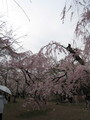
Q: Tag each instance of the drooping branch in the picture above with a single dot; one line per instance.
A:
(77, 57)
(26, 81)
(54, 47)
(56, 79)
(29, 75)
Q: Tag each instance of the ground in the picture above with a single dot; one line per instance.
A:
(15, 111)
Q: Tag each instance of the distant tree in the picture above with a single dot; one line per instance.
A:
(7, 52)
(7, 41)
(33, 68)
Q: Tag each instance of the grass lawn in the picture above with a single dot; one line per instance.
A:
(15, 111)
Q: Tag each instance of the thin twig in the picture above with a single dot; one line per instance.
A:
(22, 10)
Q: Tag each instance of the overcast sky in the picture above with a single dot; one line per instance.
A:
(45, 23)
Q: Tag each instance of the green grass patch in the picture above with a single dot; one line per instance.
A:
(64, 111)
(30, 114)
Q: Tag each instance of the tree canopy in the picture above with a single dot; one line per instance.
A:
(41, 75)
